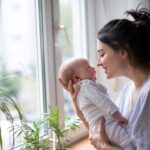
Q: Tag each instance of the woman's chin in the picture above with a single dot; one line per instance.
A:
(108, 76)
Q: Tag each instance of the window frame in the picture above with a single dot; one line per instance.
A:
(52, 53)
(49, 30)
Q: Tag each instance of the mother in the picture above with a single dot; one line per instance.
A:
(124, 50)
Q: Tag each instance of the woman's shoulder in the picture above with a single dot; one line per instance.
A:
(145, 89)
(126, 87)
(125, 91)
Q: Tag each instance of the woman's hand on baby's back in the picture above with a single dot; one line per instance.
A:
(70, 89)
(74, 94)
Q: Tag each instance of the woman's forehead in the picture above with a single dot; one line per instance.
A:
(100, 45)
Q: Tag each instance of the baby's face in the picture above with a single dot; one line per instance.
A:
(86, 71)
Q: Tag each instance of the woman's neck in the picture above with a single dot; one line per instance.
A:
(139, 77)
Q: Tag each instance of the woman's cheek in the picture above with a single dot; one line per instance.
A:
(102, 62)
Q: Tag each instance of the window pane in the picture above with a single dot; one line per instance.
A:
(66, 43)
(71, 37)
(19, 59)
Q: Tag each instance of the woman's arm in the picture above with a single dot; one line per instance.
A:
(80, 114)
(74, 93)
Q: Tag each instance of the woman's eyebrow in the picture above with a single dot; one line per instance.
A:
(99, 50)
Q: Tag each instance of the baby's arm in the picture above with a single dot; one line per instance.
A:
(118, 117)
(100, 99)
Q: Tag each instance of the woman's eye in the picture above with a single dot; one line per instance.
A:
(101, 55)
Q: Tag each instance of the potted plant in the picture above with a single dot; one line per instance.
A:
(8, 106)
(60, 126)
(31, 133)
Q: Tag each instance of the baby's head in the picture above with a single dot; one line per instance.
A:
(76, 69)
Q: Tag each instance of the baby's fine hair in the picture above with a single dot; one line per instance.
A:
(68, 68)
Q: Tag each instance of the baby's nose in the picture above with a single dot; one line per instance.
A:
(94, 69)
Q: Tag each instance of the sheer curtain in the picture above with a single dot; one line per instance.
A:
(106, 10)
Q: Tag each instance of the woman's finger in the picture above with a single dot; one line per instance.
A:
(64, 85)
(94, 140)
(76, 91)
(70, 88)
(99, 138)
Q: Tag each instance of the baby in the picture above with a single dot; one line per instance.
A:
(94, 102)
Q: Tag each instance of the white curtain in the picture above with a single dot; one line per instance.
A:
(106, 10)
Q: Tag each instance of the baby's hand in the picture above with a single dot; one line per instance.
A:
(118, 117)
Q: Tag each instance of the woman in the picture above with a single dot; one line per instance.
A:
(124, 50)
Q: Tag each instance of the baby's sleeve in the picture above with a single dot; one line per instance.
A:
(101, 99)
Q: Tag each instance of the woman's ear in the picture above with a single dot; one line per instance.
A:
(124, 54)
(75, 78)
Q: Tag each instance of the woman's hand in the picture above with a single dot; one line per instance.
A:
(73, 92)
(70, 89)
(100, 141)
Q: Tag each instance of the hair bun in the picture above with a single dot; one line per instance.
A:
(141, 16)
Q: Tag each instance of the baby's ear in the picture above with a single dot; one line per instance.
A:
(75, 78)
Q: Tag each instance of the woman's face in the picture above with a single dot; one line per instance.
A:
(114, 63)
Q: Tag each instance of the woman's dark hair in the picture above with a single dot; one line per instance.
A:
(132, 36)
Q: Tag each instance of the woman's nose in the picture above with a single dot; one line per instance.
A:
(99, 62)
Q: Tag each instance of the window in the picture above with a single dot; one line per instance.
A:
(20, 57)
(72, 37)
(64, 23)
(36, 36)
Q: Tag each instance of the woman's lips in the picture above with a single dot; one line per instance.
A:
(105, 69)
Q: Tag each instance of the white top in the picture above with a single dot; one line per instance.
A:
(139, 120)
(94, 102)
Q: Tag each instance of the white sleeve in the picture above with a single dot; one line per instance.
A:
(100, 99)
